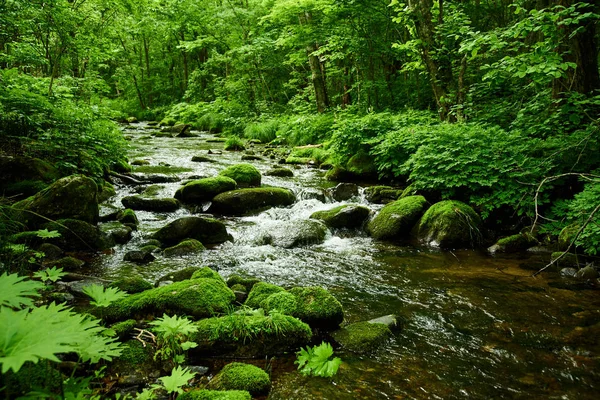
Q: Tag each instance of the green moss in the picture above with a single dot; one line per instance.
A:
(518, 242)
(396, 219)
(205, 230)
(240, 376)
(205, 189)
(246, 201)
(345, 216)
(132, 285)
(260, 292)
(234, 143)
(179, 275)
(280, 172)
(189, 246)
(134, 356)
(31, 377)
(283, 302)
(239, 288)
(121, 167)
(382, 194)
(208, 273)
(204, 394)
(68, 264)
(198, 297)
(298, 160)
(123, 329)
(566, 236)
(317, 307)
(150, 204)
(127, 216)
(362, 337)
(106, 191)
(250, 335)
(362, 164)
(247, 282)
(161, 169)
(449, 224)
(245, 175)
(152, 190)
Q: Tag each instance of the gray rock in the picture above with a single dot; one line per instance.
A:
(344, 191)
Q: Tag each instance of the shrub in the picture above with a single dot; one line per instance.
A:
(264, 131)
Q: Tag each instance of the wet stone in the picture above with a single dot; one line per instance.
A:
(139, 257)
(344, 191)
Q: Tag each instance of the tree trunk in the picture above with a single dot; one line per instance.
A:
(317, 70)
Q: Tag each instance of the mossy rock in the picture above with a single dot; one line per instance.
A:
(23, 189)
(150, 204)
(201, 159)
(318, 308)
(245, 175)
(188, 246)
(382, 194)
(123, 329)
(514, 243)
(293, 160)
(152, 190)
(17, 169)
(250, 335)
(260, 292)
(449, 224)
(127, 216)
(51, 251)
(106, 191)
(205, 230)
(295, 233)
(117, 232)
(566, 236)
(362, 337)
(205, 394)
(202, 190)
(199, 298)
(132, 285)
(362, 165)
(247, 282)
(78, 235)
(68, 264)
(283, 302)
(567, 260)
(121, 167)
(280, 172)
(178, 276)
(346, 216)
(207, 272)
(32, 377)
(73, 197)
(134, 357)
(395, 220)
(246, 201)
(240, 376)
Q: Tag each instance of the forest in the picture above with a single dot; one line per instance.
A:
(491, 103)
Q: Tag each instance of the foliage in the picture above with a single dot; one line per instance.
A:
(50, 274)
(103, 297)
(179, 377)
(172, 339)
(15, 291)
(316, 361)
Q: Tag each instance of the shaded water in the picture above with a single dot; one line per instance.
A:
(479, 326)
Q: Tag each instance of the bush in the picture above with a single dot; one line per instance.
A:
(264, 131)
(301, 130)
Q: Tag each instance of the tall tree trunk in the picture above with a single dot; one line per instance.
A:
(185, 66)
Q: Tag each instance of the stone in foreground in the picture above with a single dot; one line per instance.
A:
(246, 201)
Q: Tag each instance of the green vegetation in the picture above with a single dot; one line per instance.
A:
(396, 219)
(205, 189)
(260, 292)
(317, 307)
(240, 376)
(315, 361)
(362, 337)
(245, 175)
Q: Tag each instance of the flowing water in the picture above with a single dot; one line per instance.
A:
(478, 326)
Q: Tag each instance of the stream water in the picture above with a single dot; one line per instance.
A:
(478, 326)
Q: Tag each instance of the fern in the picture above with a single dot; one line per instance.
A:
(103, 297)
(172, 340)
(47, 331)
(15, 291)
(50, 274)
(316, 361)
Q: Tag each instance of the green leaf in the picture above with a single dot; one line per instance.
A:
(178, 378)
(46, 234)
(170, 326)
(315, 361)
(50, 274)
(103, 297)
(15, 290)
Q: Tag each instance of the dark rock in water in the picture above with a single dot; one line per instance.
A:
(513, 243)
(449, 224)
(569, 272)
(127, 216)
(199, 298)
(202, 159)
(312, 194)
(566, 260)
(203, 190)
(132, 285)
(198, 369)
(295, 233)
(131, 120)
(245, 201)
(51, 252)
(139, 256)
(245, 175)
(395, 220)
(119, 233)
(392, 321)
(382, 194)
(240, 296)
(205, 230)
(76, 287)
(362, 337)
(318, 308)
(68, 264)
(251, 157)
(108, 212)
(344, 191)
(346, 216)
(140, 162)
(156, 178)
(154, 204)
(106, 191)
(76, 235)
(587, 272)
(280, 172)
(240, 376)
(177, 130)
(73, 197)
(189, 246)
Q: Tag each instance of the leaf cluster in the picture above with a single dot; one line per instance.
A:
(316, 361)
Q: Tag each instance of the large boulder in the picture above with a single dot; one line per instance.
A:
(346, 216)
(245, 201)
(449, 224)
(514, 243)
(205, 189)
(199, 298)
(396, 219)
(77, 235)
(260, 292)
(150, 204)
(295, 233)
(344, 191)
(240, 376)
(189, 246)
(205, 230)
(254, 335)
(25, 175)
(317, 307)
(382, 194)
(74, 197)
(246, 175)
